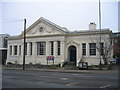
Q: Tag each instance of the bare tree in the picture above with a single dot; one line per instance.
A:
(104, 48)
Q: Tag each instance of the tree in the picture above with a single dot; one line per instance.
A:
(105, 47)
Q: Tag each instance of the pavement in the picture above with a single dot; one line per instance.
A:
(65, 71)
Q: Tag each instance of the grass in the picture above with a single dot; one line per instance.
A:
(67, 66)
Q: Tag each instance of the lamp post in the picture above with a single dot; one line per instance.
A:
(100, 33)
(24, 44)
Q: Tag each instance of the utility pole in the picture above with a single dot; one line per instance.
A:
(100, 33)
(24, 44)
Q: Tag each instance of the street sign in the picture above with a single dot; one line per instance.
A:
(50, 58)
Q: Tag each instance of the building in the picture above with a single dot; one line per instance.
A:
(45, 39)
(116, 44)
(3, 48)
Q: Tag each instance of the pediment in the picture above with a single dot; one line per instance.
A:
(43, 27)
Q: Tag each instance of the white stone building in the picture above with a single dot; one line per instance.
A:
(44, 38)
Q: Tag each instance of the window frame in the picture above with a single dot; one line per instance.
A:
(31, 45)
(19, 49)
(15, 50)
(41, 48)
(92, 49)
(11, 50)
(52, 48)
(84, 49)
(102, 48)
(58, 48)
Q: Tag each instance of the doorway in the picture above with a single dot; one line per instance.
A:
(72, 54)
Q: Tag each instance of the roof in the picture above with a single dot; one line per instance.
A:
(3, 48)
(4, 35)
(61, 29)
(116, 34)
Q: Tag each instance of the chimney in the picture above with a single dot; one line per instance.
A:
(92, 26)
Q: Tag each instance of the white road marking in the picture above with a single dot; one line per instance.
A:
(64, 78)
(105, 86)
(72, 83)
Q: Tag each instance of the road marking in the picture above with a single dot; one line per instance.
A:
(75, 74)
(105, 86)
(72, 83)
(64, 78)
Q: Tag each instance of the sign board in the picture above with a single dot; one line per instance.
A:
(50, 58)
(14, 58)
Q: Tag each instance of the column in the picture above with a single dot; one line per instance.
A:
(47, 48)
(18, 50)
(87, 50)
(34, 52)
(28, 49)
(8, 51)
(62, 50)
(12, 50)
(55, 48)
(22, 52)
(78, 54)
(80, 50)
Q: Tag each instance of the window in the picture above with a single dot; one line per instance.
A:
(84, 48)
(30, 48)
(19, 49)
(92, 47)
(25, 48)
(52, 47)
(41, 48)
(58, 43)
(10, 50)
(15, 50)
(101, 47)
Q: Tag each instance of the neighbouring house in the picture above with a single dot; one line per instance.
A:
(3, 48)
(46, 40)
(116, 44)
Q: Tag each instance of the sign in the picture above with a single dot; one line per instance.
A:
(14, 58)
(50, 58)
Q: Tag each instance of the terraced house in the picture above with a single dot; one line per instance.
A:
(46, 39)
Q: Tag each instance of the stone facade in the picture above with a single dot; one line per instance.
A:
(44, 38)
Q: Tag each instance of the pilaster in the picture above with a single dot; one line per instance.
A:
(47, 48)
(55, 48)
(87, 50)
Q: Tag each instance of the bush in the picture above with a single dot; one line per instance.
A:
(9, 63)
(31, 63)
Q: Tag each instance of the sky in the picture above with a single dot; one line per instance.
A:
(119, 17)
(72, 14)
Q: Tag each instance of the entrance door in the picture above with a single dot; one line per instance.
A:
(72, 54)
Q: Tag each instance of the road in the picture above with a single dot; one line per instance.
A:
(42, 79)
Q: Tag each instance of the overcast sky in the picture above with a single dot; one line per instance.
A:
(72, 14)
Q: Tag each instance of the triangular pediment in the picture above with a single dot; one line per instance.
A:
(44, 27)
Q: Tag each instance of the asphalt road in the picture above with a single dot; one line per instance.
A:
(42, 79)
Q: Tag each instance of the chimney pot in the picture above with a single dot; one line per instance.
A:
(92, 26)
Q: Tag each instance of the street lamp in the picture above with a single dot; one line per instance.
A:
(100, 33)
(24, 44)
